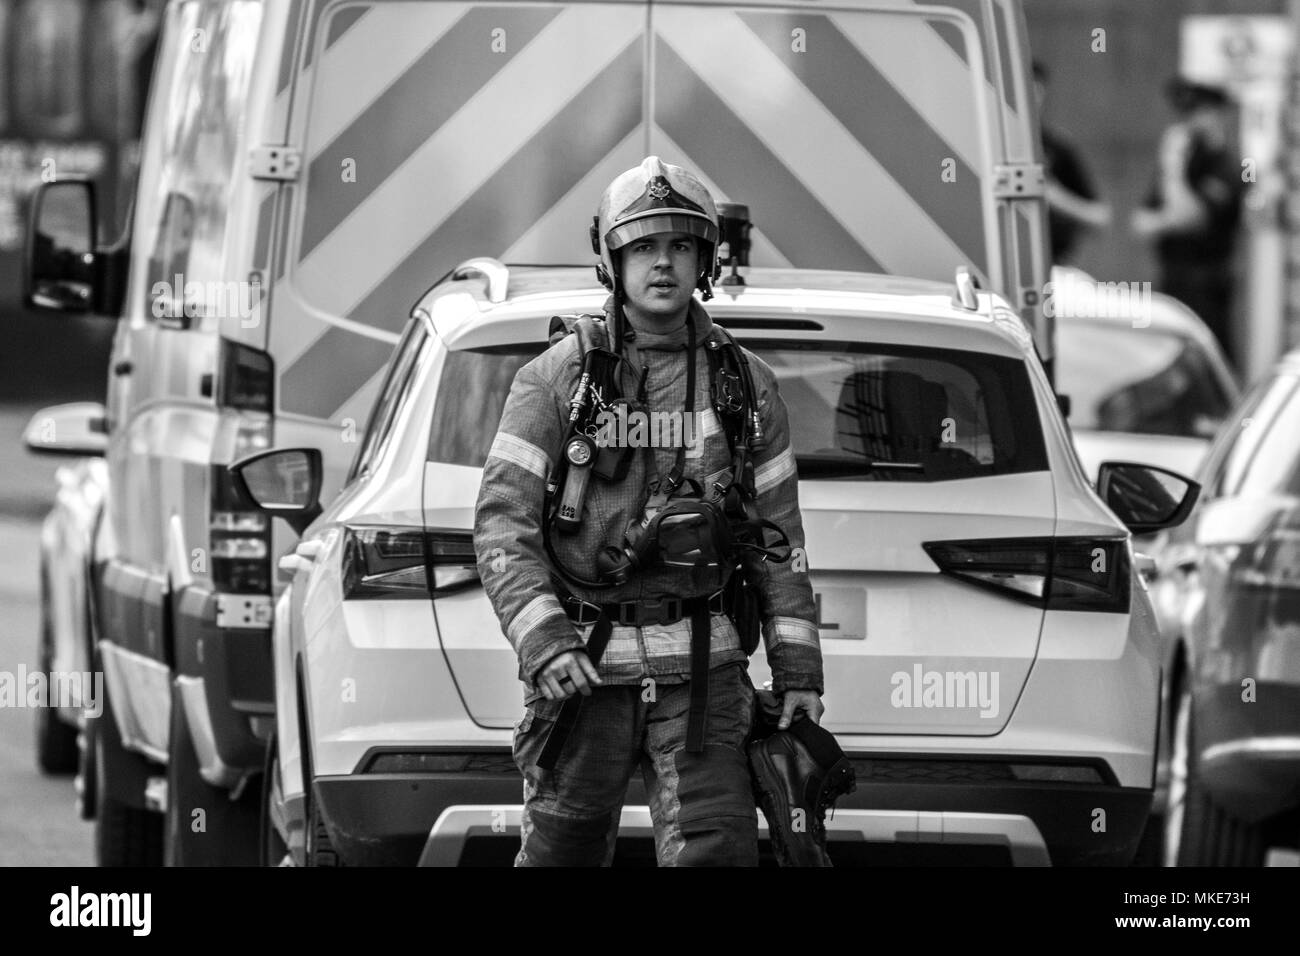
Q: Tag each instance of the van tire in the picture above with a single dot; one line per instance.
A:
(56, 742)
(125, 835)
(227, 831)
(318, 850)
(272, 849)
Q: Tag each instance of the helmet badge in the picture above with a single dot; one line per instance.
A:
(659, 189)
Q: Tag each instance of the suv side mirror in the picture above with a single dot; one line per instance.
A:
(60, 255)
(75, 429)
(1144, 497)
(283, 482)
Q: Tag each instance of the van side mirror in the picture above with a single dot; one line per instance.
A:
(60, 254)
(76, 429)
(1146, 498)
(283, 483)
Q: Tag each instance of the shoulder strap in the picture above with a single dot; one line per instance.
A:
(588, 326)
(726, 385)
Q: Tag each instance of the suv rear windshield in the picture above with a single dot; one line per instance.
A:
(1150, 382)
(857, 412)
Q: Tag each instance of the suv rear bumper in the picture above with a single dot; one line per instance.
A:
(404, 819)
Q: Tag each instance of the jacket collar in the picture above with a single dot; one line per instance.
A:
(676, 339)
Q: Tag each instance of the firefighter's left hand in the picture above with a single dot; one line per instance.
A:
(793, 701)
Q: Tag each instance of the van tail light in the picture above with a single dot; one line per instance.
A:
(403, 562)
(1057, 574)
(245, 378)
(239, 539)
(1272, 562)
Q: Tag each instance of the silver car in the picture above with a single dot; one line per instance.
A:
(1228, 598)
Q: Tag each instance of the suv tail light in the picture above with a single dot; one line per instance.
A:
(396, 562)
(1057, 574)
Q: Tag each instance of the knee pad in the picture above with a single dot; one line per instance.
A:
(717, 816)
(557, 840)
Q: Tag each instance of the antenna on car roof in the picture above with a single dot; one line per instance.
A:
(495, 271)
(963, 296)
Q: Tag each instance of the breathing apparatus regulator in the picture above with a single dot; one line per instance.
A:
(682, 524)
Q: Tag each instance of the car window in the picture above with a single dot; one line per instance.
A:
(471, 396)
(1274, 467)
(1242, 436)
(189, 156)
(392, 395)
(857, 412)
(876, 413)
(1144, 381)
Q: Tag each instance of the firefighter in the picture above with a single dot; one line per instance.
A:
(611, 581)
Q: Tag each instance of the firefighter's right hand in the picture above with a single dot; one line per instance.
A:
(570, 673)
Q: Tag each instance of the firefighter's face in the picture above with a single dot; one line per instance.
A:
(658, 273)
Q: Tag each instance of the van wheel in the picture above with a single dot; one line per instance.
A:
(272, 849)
(56, 742)
(205, 827)
(318, 850)
(125, 835)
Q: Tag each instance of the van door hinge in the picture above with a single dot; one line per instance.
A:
(275, 162)
(1019, 181)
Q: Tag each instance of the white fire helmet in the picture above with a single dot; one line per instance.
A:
(652, 198)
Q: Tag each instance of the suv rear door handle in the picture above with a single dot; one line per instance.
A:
(124, 367)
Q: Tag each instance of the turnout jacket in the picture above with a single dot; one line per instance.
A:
(517, 573)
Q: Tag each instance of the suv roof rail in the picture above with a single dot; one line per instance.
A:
(963, 296)
(495, 271)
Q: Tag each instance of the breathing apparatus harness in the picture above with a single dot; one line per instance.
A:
(681, 525)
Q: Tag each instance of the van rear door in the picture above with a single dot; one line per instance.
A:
(880, 136)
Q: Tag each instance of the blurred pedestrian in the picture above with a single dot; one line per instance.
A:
(1072, 202)
(1194, 208)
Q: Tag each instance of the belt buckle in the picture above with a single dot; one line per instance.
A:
(628, 614)
(652, 611)
(583, 607)
(718, 601)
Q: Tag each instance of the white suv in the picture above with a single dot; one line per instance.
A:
(992, 664)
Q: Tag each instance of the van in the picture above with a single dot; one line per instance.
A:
(310, 167)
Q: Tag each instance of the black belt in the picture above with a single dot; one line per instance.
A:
(640, 614)
(661, 611)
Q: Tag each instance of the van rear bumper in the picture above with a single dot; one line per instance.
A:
(226, 678)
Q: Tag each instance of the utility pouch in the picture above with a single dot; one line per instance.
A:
(692, 534)
(741, 598)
